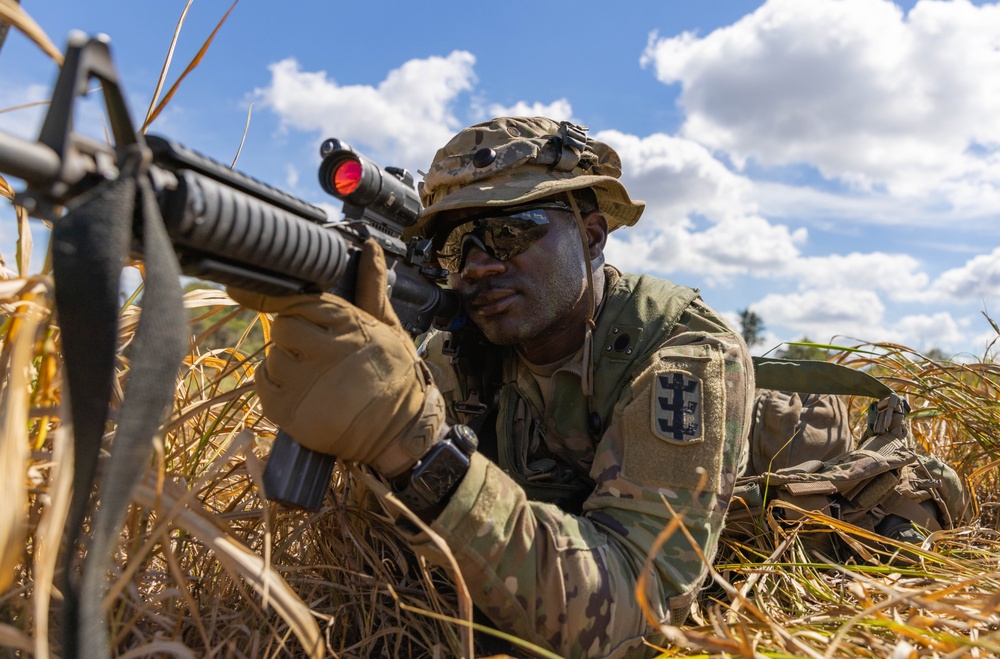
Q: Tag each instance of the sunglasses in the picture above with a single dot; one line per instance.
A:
(502, 233)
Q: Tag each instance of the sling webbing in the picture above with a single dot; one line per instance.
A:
(816, 377)
(89, 249)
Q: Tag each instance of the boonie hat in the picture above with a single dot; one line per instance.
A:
(512, 160)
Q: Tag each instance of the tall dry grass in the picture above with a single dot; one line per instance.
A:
(207, 567)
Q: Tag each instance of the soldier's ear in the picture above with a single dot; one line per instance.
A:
(596, 225)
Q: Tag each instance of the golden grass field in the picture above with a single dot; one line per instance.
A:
(205, 566)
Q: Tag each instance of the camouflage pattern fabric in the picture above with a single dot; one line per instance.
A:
(790, 428)
(883, 485)
(512, 160)
(671, 441)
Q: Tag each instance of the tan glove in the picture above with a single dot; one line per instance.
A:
(346, 380)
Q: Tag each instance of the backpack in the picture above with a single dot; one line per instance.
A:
(803, 459)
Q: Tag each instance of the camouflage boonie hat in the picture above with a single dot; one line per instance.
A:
(513, 160)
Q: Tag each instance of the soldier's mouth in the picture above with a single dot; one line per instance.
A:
(493, 302)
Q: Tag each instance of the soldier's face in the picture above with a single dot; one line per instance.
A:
(534, 299)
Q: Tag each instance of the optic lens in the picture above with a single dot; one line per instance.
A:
(347, 177)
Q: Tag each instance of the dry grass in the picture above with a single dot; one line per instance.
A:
(206, 567)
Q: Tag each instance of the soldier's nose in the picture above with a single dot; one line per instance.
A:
(479, 262)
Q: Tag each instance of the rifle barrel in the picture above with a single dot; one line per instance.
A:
(28, 160)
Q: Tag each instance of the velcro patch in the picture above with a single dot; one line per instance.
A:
(652, 455)
(677, 408)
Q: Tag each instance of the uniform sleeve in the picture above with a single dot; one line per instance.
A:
(673, 449)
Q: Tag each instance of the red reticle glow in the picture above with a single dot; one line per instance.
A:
(347, 177)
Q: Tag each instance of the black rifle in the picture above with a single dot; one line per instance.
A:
(230, 228)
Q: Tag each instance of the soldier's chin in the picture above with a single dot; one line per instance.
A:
(503, 331)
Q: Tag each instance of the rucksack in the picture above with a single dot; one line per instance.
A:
(803, 458)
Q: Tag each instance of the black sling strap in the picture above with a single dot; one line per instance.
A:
(89, 249)
(90, 246)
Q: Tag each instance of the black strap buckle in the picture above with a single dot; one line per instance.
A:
(472, 405)
(572, 140)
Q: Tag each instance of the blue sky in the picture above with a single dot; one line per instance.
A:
(831, 164)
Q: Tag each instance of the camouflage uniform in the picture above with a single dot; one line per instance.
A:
(552, 536)
(672, 389)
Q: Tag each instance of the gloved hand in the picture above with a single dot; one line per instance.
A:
(345, 379)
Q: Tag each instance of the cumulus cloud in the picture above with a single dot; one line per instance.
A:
(938, 330)
(866, 93)
(898, 111)
(715, 225)
(851, 312)
(698, 217)
(408, 115)
(560, 110)
(678, 177)
(846, 315)
(977, 279)
(847, 213)
(898, 276)
(738, 246)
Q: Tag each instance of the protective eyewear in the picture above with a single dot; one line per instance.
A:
(501, 233)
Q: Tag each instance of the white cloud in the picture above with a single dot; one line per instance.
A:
(850, 212)
(682, 182)
(897, 275)
(854, 313)
(408, 115)
(938, 330)
(901, 109)
(703, 218)
(662, 252)
(738, 246)
(978, 279)
(291, 176)
(560, 110)
(855, 87)
(743, 245)
(678, 177)
(845, 316)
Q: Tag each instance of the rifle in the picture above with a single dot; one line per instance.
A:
(227, 227)
(183, 212)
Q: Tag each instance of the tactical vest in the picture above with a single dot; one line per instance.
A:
(549, 452)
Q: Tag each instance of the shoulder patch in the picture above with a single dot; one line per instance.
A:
(677, 410)
(674, 425)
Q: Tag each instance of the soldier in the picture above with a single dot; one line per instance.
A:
(607, 405)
